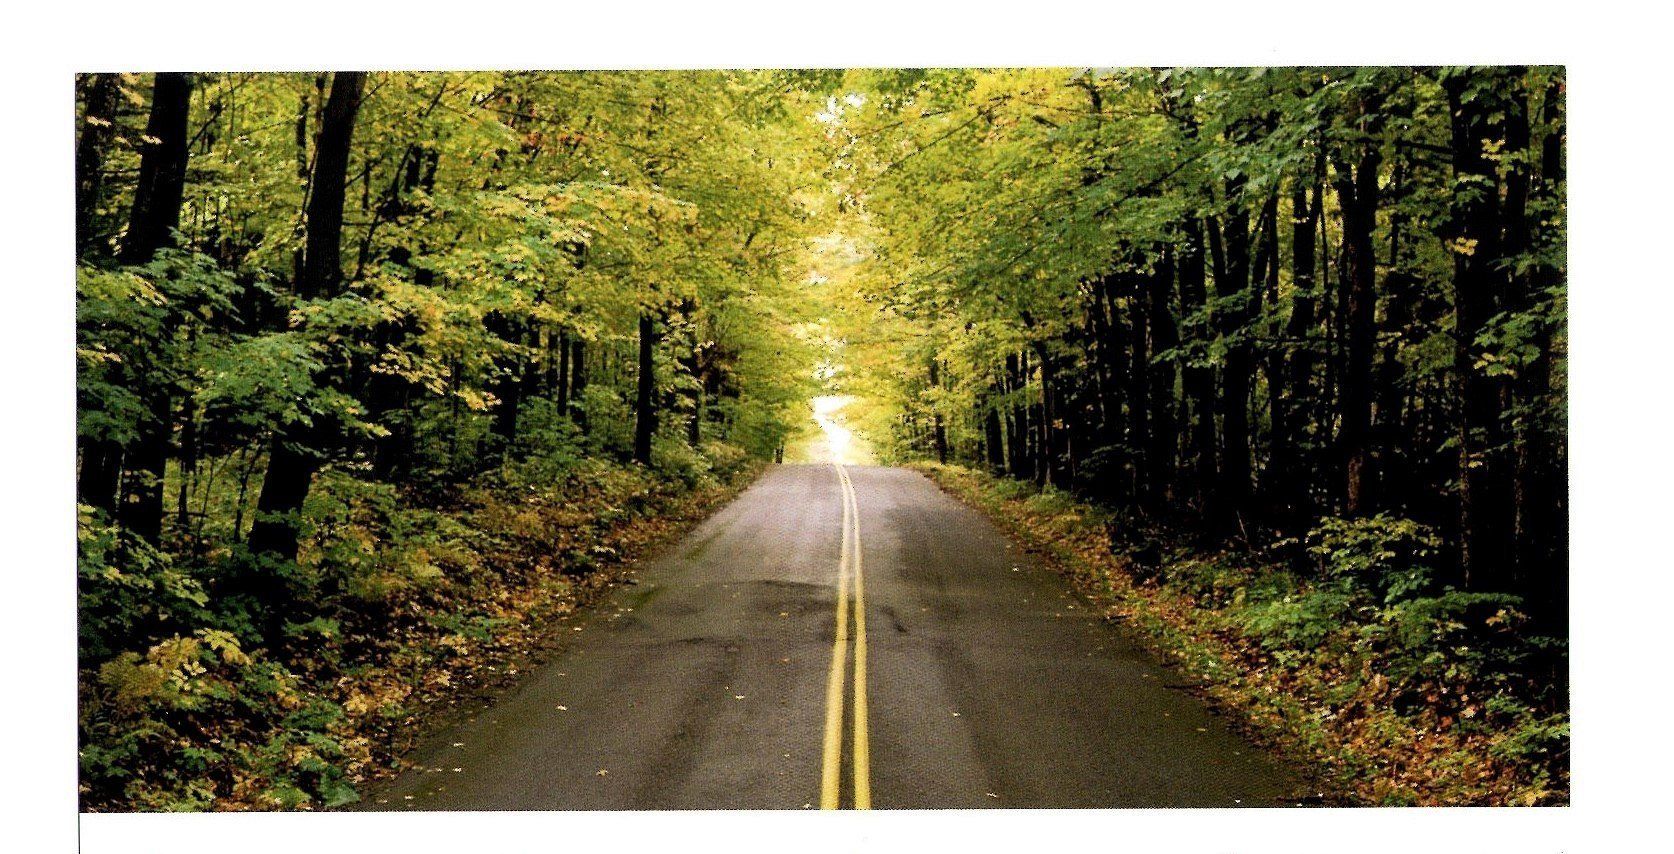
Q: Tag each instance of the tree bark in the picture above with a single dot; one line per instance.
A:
(98, 127)
(151, 224)
(1231, 247)
(1357, 196)
(1160, 457)
(1477, 282)
(645, 413)
(1199, 381)
(297, 452)
(1289, 462)
(938, 430)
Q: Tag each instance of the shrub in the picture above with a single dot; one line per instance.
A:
(127, 589)
(1386, 556)
(549, 447)
(675, 460)
(1300, 621)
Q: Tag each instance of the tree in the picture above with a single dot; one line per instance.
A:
(295, 455)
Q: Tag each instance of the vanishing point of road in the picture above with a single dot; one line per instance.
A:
(841, 637)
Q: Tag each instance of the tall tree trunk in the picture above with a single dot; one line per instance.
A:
(578, 380)
(992, 431)
(1357, 195)
(98, 126)
(1198, 380)
(1017, 439)
(162, 172)
(151, 225)
(297, 452)
(1542, 526)
(562, 380)
(1231, 247)
(1160, 457)
(1289, 462)
(1484, 524)
(938, 430)
(1264, 285)
(645, 412)
(1140, 404)
(511, 374)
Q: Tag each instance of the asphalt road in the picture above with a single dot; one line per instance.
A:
(721, 680)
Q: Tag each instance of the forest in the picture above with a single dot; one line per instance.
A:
(345, 339)
(378, 370)
(1309, 322)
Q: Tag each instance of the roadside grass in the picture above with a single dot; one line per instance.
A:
(411, 612)
(1390, 689)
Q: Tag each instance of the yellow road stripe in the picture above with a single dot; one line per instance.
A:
(831, 768)
(862, 737)
(848, 569)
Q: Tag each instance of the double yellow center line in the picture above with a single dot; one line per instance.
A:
(848, 574)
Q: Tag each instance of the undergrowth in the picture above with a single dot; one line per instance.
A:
(398, 608)
(1343, 650)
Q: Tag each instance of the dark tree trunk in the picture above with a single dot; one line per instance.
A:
(511, 374)
(1231, 247)
(645, 413)
(1140, 404)
(938, 431)
(162, 171)
(101, 460)
(992, 431)
(1160, 457)
(1289, 463)
(562, 380)
(1264, 284)
(98, 126)
(1120, 408)
(1540, 525)
(1199, 381)
(1484, 523)
(297, 452)
(1357, 194)
(1017, 438)
(578, 380)
(151, 225)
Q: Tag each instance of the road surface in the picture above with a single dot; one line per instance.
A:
(841, 636)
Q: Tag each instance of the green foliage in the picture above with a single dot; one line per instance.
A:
(1299, 621)
(505, 232)
(127, 589)
(1391, 558)
(363, 543)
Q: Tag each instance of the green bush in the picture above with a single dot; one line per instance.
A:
(1297, 622)
(1386, 556)
(548, 449)
(127, 589)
